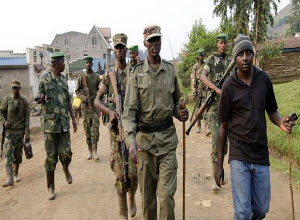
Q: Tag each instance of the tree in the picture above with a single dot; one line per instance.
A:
(199, 37)
(294, 20)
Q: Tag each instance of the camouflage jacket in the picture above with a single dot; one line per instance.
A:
(106, 87)
(152, 97)
(55, 110)
(198, 89)
(16, 112)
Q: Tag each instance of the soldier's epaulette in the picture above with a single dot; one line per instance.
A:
(167, 62)
(137, 65)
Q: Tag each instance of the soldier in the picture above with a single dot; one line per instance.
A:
(56, 105)
(121, 71)
(14, 115)
(134, 56)
(151, 101)
(212, 72)
(87, 90)
(198, 89)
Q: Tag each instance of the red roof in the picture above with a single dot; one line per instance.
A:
(289, 43)
(105, 31)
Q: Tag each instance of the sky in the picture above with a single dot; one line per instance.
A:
(28, 23)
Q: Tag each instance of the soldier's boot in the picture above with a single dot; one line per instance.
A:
(95, 156)
(16, 172)
(90, 153)
(50, 185)
(67, 174)
(214, 187)
(132, 204)
(207, 130)
(10, 179)
(123, 206)
(198, 126)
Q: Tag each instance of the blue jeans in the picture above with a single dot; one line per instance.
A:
(251, 190)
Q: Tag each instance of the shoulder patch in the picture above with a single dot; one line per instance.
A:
(137, 65)
(167, 62)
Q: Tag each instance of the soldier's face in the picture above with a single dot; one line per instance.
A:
(120, 52)
(222, 46)
(15, 90)
(88, 65)
(244, 61)
(133, 54)
(200, 59)
(153, 46)
(60, 65)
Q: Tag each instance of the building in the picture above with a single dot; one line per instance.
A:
(76, 45)
(286, 67)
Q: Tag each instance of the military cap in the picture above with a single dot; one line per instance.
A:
(200, 52)
(120, 39)
(57, 56)
(133, 48)
(90, 59)
(151, 31)
(15, 83)
(222, 37)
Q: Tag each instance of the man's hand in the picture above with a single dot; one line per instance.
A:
(41, 99)
(218, 91)
(74, 125)
(287, 125)
(133, 149)
(184, 114)
(7, 124)
(113, 117)
(219, 178)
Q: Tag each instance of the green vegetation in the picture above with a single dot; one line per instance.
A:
(294, 20)
(287, 96)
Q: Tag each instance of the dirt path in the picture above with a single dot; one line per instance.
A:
(92, 194)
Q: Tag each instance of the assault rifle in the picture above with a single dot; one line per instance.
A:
(119, 110)
(86, 89)
(2, 141)
(209, 99)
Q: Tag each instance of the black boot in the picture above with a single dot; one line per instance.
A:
(50, 184)
(132, 204)
(67, 174)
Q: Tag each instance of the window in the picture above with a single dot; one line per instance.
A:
(66, 42)
(104, 56)
(94, 40)
(85, 55)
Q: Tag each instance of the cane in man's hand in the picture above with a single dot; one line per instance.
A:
(292, 118)
(182, 106)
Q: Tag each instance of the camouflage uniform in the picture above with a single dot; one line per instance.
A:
(152, 97)
(116, 160)
(198, 89)
(215, 66)
(90, 119)
(56, 120)
(15, 111)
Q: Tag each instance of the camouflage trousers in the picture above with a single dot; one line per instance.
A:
(91, 126)
(57, 145)
(13, 148)
(157, 178)
(215, 129)
(116, 164)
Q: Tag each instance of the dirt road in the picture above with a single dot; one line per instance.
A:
(92, 194)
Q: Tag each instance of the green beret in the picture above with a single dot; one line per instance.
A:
(222, 37)
(57, 56)
(90, 59)
(200, 52)
(134, 48)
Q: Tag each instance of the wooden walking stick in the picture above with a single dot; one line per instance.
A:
(293, 118)
(182, 106)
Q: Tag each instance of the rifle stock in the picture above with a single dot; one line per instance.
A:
(87, 93)
(3, 140)
(209, 99)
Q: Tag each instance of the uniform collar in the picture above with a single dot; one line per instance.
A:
(162, 66)
(118, 70)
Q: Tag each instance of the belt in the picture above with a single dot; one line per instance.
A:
(157, 127)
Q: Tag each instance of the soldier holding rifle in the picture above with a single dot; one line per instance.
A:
(114, 84)
(212, 73)
(86, 89)
(151, 102)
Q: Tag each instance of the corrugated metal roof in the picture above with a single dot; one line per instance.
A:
(13, 61)
(289, 43)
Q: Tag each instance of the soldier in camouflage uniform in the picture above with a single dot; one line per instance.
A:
(212, 72)
(56, 105)
(134, 56)
(90, 119)
(14, 115)
(198, 89)
(116, 161)
(151, 101)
